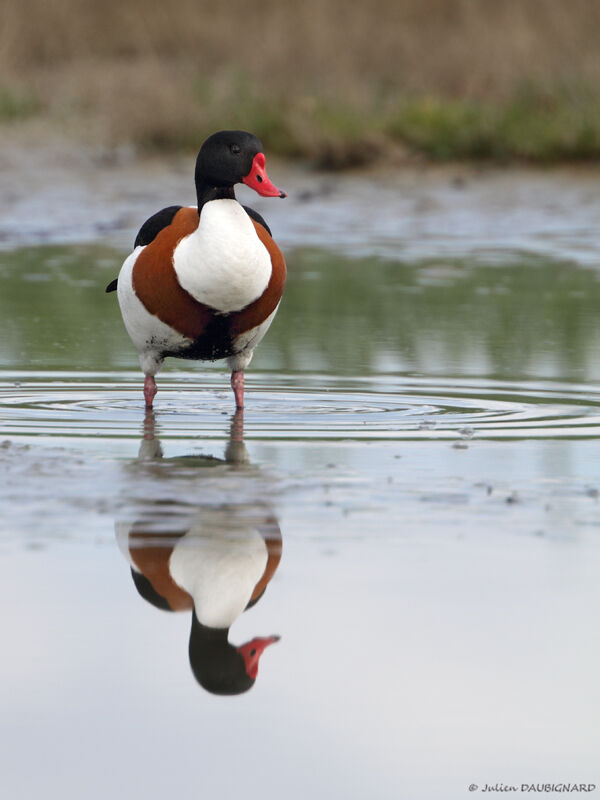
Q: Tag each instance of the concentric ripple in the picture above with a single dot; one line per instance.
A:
(302, 406)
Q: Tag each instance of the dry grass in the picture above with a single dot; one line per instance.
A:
(330, 80)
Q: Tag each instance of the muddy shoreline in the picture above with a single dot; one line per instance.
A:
(60, 191)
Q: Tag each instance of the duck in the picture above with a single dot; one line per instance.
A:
(204, 282)
(215, 565)
(214, 562)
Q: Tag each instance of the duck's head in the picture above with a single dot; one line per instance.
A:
(252, 651)
(221, 667)
(230, 157)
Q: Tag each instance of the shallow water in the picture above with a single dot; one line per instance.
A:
(417, 463)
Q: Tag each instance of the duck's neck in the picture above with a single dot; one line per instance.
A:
(205, 193)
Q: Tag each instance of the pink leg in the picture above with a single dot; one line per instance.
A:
(237, 384)
(149, 390)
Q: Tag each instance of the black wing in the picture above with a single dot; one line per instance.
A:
(148, 232)
(257, 218)
(154, 224)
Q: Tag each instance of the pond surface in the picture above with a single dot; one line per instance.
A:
(406, 518)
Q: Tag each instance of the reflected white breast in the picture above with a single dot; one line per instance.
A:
(218, 568)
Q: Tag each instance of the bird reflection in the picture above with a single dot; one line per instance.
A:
(214, 561)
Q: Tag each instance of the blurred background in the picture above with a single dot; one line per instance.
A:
(334, 83)
(422, 420)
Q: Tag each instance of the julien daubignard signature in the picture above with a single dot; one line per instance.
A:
(533, 787)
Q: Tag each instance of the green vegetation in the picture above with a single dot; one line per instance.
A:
(16, 104)
(526, 126)
(333, 83)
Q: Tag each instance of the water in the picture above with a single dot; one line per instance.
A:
(413, 484)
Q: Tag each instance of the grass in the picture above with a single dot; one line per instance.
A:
(333, 83)
(16, 104)
(525, 126)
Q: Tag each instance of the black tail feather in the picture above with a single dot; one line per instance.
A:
(112, 286)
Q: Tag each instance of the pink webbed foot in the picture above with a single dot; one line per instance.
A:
(237, 384)
(149, 390)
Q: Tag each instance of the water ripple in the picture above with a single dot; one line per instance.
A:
(320, 407)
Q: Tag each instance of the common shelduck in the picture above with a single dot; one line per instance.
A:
(215, 563)
(204, 282)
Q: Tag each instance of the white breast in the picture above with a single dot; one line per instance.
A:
(223, 263)
(219, 567)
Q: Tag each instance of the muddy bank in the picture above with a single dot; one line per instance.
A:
(58, 192)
